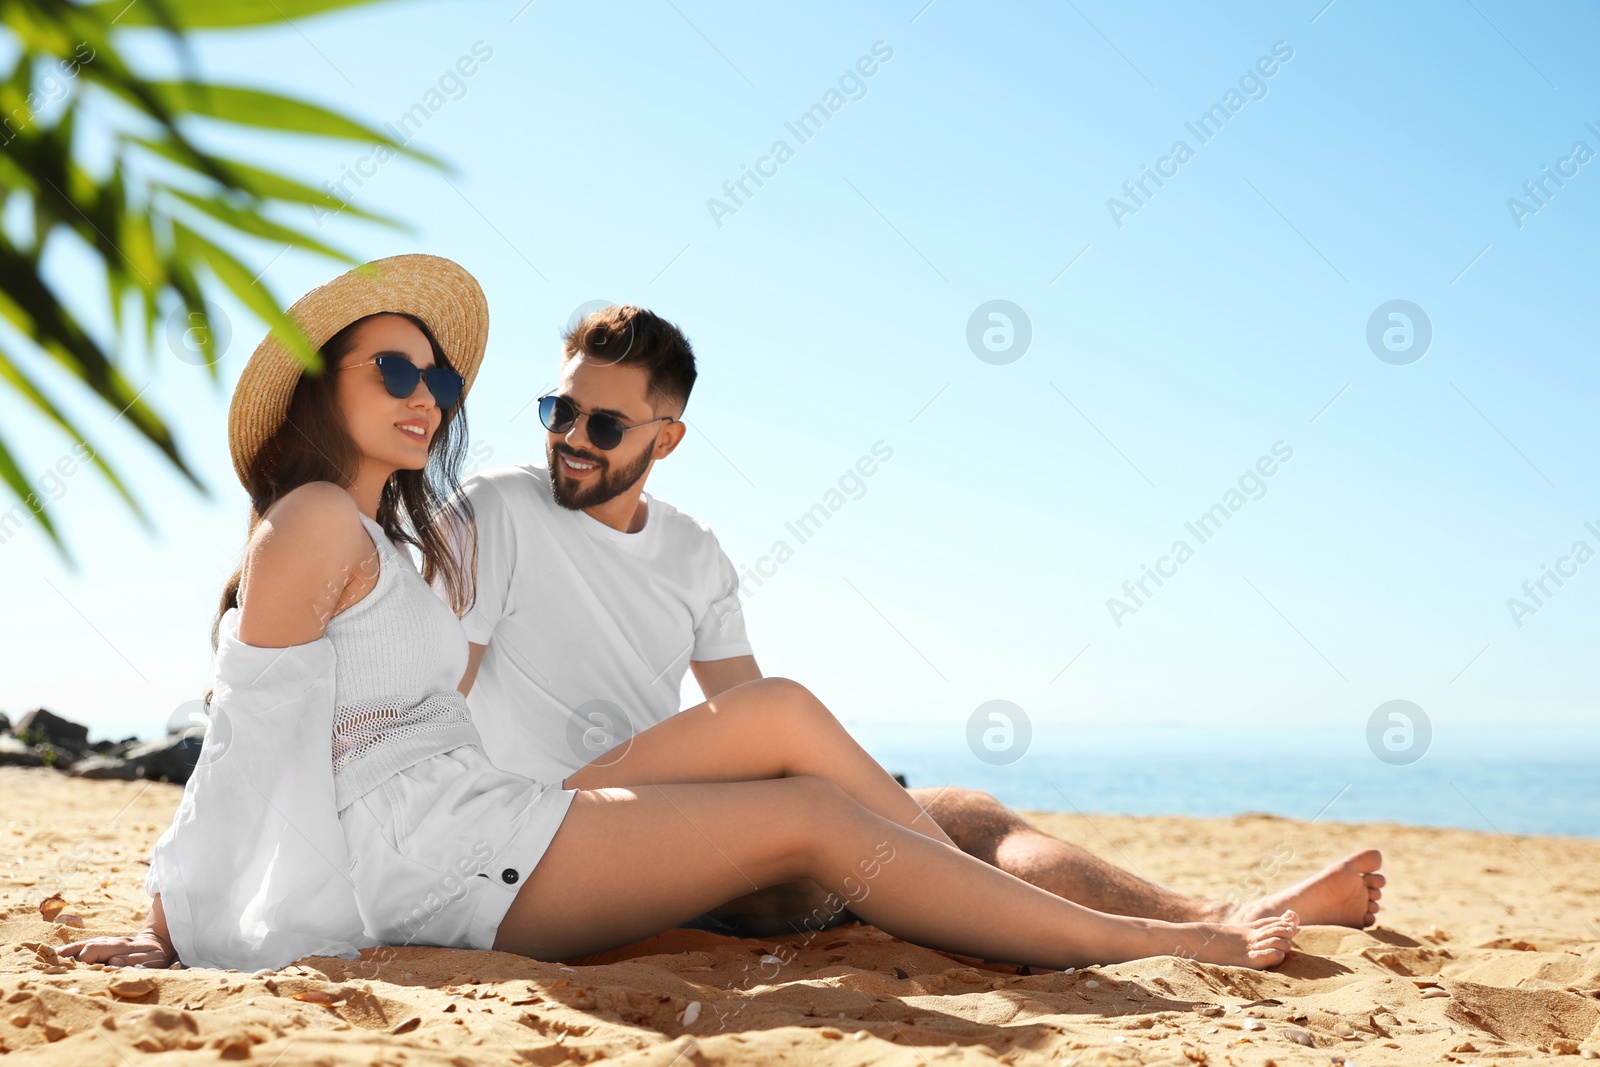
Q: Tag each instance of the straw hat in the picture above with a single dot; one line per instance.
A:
(436, 290)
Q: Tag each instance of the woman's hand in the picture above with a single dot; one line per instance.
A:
(144, 949)
(150, 947)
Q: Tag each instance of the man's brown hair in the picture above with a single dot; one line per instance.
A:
(631, 336)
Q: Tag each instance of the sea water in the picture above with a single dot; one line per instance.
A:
(1503, 780)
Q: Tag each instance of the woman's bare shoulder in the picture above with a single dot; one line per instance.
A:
(302, 555)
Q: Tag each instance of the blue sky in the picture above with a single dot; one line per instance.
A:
(830, 312)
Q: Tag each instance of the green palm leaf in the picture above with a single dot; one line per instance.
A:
(258, 225)
(255, 107)
(209, 14)
(164, 217)
(12, 374)
(13, 478)
(268, 185)
(236, 276)
(29, 305)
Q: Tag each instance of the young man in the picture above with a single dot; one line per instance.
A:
(594, 597)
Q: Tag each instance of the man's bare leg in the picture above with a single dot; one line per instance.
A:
(1343, 894)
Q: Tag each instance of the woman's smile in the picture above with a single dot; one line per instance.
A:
(414, 429)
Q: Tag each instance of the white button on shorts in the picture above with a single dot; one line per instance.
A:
(440, 849)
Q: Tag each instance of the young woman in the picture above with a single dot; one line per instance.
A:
(430, 843)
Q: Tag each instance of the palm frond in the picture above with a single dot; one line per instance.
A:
(164, 218)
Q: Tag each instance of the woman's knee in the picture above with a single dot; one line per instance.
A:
(782, 692)
(794, 709)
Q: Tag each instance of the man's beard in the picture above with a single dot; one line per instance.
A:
(597, 488)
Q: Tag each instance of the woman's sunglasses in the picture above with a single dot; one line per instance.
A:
(559, 415)
(400, 377)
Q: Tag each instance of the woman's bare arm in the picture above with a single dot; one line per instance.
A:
(309, 559)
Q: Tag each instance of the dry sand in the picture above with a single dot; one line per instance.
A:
(1488, 950)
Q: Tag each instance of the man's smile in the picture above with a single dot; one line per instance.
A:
(576, 468)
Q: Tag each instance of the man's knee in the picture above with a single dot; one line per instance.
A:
(956, 803)
(975, 821)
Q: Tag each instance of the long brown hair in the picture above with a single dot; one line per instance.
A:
(313, 445)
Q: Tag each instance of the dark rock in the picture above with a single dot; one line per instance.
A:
(105, 767)
(171, 758)
(56, 756)
(901, 779)
(42, 725)
(16, 752)
(109, 747)
(13, 753)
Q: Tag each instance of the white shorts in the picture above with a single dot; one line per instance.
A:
(440, 849)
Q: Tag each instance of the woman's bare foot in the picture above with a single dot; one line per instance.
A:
(1341, 894)
(1259, 944)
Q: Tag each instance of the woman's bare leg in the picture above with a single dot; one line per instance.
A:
(768, 728)
(628, 863)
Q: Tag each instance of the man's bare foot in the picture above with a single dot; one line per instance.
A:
(1341, 894)
(1259, 944)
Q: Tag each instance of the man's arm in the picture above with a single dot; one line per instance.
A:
(720, 675)
(474, 660)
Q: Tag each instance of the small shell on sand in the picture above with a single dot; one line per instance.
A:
(130, 988)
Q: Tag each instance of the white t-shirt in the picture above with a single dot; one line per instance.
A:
(589, 629)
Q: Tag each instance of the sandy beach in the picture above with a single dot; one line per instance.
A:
(1488, 949)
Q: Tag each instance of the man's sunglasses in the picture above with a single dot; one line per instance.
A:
(559, 415)
(400, 377)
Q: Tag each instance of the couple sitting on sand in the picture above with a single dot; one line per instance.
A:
(570, 808)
